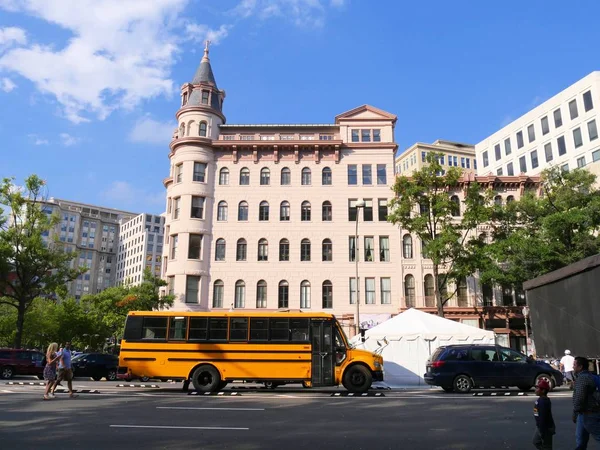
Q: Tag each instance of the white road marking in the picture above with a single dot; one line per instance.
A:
(212, 409)
(179, 428)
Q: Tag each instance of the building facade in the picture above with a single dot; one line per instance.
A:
(140, 248)
(562, 131)
(92, 232)
(454, 154)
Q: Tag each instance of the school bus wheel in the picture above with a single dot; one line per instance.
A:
(357, 379)
(206, 378)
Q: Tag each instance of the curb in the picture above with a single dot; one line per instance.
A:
(79, 391)
(352, 394)
(21, 383)
(217, 394)
(138, 385)
(500, 394)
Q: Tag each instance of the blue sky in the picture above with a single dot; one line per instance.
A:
(88, 89)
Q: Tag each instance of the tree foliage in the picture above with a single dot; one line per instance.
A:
(30, 267)
(423, 206)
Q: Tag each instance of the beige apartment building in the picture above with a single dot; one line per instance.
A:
(454, 154)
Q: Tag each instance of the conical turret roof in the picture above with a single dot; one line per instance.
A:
(204, 73)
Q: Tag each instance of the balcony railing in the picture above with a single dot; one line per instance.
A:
(279, 137)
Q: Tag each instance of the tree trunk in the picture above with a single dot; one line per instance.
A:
(438, 294)
(20, 324)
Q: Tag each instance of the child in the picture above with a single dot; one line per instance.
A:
(542, 411)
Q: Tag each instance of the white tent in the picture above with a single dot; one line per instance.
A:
(412, 337)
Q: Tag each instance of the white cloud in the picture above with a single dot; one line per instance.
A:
(10, 36)
(338, 3)
(149, 131)
(124, 195)
(68, 140)
(120, 52)
(7, 85)
(199, 33)
(303, 13)
(41, 142)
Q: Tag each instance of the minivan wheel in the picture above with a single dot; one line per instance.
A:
(546, 377)
(7, 372)
(206, 379)
(463, 384)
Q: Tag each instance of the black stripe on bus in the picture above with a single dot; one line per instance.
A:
(139, 359)
(243, 360)
(212, 351)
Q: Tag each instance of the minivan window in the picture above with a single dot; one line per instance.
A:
(511, 356)
(483, 354)
(456, 354)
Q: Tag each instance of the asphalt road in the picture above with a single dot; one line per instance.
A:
(166, 418)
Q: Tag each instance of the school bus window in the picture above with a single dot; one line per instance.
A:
(259, 329)
(177, 328)
(154, 328)
(280, 329)
(198, 329)
(218, 329)
(238, 330)
(299, 328)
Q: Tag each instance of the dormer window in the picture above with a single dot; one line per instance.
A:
(205, 97)
(185, 99)
(202, 129)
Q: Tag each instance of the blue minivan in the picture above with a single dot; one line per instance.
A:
(460, 368)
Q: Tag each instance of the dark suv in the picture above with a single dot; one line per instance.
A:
(96, 366)
(460, 368)
(21, 362)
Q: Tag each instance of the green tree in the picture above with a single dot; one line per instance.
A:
(548, 228)
(30, 267)
(424, 207)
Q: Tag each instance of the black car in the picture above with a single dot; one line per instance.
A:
(461, 368)
(96, 366)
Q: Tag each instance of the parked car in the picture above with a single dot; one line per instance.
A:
(21, 362)
(96, 366)
(460, 368)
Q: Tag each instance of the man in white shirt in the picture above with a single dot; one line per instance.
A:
(566, 367)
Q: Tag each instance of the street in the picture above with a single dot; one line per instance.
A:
(166, 418)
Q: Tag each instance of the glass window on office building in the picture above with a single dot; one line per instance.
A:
(531, 133)
(522, 164)
(577, 138)
(573, 109)
(581, 162)
(520, 142)
(548, 152)
(507, 147)
(592, 130)
(486, 161)
(381, 174)
(509, 169)
(192, 289)
(534, 159)
(562, 146)
(497, 152)
(370, 291)
(557, 118)
(355, 136)
(352, 174)
(366, 174)
(199, 172)
(545, 125)
(596, 156)
(588, 104)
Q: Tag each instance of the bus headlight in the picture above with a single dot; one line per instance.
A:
(377, 364)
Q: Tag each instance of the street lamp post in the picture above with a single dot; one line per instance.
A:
(525, 312)
(359, 204)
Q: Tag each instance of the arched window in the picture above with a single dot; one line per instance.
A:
(305, 250)
(306, 181)
(429, 288)
(261, 294)
(424, 206)
(263, 211)
(283, 294)
(224, 176)
(263, 250)
(244, 176)
(182, 130)
(463, 293)
(240, 294)
(305, 294)
(483, 237)
(284, 250)
(284, 211)
(327, 250)
(286, 177)
(327, 293)
(241, 250)
(243, 210)
(327, 211)
(305, 211)
(220, 250)
(409, 291)
(407, 246)
(326, 178)
(498, 200)
(265, 176)
(205, 95)
(189, 127)
(510, 199)
(222, 211)
(202, 129)
(218, 291)
(455, 205)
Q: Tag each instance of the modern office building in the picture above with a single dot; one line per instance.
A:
(264, 216)
(140, 248)
(454, 154)
(93, 233)
(562, 131)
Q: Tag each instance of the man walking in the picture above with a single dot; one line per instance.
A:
(566, 367)
(586, 410)
(65, 370)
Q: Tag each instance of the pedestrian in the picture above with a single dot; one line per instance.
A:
(65, 370)
(586, 410)
(566, 367)
(544, 422)
(50, 369)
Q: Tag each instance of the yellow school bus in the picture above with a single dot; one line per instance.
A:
(211, 349)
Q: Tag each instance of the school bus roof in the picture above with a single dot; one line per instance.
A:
(289, 313)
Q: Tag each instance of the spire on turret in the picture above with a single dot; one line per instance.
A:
(204, 74)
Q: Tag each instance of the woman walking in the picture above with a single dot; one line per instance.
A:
(50, 369)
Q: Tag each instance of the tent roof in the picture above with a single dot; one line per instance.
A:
(415, 322)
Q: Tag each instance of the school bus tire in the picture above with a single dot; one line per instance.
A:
(206, 378)
(357, 378)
